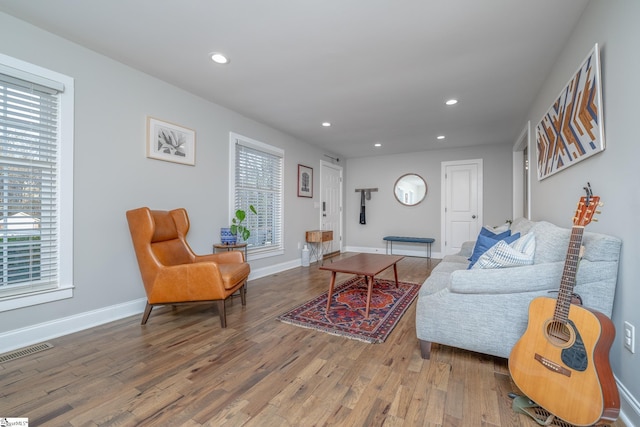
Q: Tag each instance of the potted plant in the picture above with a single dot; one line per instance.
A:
(238, 229)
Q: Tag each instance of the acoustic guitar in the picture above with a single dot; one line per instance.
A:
(562, 360)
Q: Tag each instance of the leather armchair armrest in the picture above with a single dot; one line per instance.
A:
(222, 257)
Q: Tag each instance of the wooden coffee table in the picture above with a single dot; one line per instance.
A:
(367, 265)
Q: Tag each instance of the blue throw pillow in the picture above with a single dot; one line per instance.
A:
(485, 242)
(481, 243)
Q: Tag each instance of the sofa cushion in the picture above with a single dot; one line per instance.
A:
(485, 242)
(521, 225)
(552, 242)
(503, 255)
(460, 259)
(449, 267)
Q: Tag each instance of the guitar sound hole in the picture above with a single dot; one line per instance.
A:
(559, 334)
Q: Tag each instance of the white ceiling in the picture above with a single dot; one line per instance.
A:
(378, 70)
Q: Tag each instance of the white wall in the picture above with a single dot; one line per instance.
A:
(113, 175)
(386, 216)
(613, 174)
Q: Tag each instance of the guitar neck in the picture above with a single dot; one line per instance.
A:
(568, 280)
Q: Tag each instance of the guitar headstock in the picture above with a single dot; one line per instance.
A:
(587, 208)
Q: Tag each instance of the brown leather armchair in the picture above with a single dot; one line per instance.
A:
(172, 274)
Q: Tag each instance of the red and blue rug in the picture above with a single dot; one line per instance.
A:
(346, 316)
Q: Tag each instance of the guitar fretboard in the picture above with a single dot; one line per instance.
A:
(568, 280)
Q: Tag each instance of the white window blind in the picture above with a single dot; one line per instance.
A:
(28, 185)
(258, 182)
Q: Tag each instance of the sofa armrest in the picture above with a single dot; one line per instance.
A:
(527, 278)
(467, 248)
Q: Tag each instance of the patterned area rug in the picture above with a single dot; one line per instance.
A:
(346, 316)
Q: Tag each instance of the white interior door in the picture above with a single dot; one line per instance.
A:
(331, 203)
(461, 203)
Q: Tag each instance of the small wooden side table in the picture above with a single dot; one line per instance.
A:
(318, 238)
(237, 246)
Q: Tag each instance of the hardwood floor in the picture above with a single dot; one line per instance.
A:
(181, 368)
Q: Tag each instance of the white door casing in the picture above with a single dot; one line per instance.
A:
(331, 203)
(522, 174)
(461, 203)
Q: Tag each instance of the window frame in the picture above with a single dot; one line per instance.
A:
(255, 253)
(64, 288)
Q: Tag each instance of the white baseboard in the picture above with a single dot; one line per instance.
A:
(18, 338)
(396, 251)
(629, 408)
(273, 269)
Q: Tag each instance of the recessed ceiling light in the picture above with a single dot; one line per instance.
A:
(219, 58)
(377, 144)
(440, 136)
(452, 102)
(326, 124)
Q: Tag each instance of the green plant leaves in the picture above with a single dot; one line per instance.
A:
(237, 229)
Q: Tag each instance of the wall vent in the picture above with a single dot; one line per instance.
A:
(13, 355)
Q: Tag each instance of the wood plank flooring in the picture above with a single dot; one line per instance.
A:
(181, 368)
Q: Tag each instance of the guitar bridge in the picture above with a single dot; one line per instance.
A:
(552, 366)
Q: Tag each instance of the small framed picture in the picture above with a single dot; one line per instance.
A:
(305, 181)
(170, 142)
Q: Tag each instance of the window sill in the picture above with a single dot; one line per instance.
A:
(20, 301)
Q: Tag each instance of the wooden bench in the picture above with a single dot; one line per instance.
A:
(424, 240)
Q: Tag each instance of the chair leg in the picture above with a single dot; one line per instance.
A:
(243, 294)
(222, 313)
(147, 312)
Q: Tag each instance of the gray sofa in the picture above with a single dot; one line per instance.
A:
(486, 310)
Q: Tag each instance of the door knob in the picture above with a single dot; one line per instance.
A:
(473, 216)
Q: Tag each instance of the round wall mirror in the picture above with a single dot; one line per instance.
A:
(410, 189)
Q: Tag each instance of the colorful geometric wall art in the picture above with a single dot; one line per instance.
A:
(572, 129)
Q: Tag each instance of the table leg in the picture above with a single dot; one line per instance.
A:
(395, 273)
(331, 285)
(370, 288)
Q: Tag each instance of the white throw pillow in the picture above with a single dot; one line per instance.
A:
(499, 228)
(502, 254)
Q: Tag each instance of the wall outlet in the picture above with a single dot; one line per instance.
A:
(629, 337)
(299, 245)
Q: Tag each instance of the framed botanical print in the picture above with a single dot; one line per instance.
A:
(170, 142)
